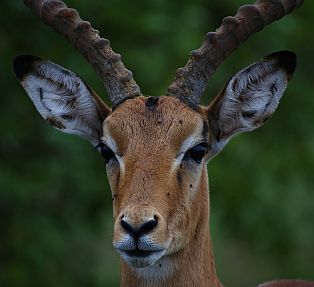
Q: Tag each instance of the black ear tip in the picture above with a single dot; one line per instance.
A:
(23, 65)
(286, 60)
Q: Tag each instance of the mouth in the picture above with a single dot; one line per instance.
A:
(141, 258)
(139, 253)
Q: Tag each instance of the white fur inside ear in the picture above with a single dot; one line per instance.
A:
(64, 100)
(251, 97)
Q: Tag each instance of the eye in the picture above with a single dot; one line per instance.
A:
(197, 152)
(106, 152)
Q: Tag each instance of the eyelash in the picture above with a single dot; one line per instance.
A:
(106, 152)
(196, 153)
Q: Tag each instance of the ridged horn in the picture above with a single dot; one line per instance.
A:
(117, 80)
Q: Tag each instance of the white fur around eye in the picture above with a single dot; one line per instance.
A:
(188, 143)
(108, 140)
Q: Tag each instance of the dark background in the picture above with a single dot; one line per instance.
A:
(55, 203)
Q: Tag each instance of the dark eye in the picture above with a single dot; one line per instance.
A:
(106, 152)
(197, 152)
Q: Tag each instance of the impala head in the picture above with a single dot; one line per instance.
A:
(155, 148)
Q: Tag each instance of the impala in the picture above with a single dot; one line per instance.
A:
(156, 148)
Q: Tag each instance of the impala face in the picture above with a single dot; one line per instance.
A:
(155, 150)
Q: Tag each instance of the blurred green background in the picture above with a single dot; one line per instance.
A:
(55, 203)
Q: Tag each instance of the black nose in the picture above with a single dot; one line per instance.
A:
(137, 231)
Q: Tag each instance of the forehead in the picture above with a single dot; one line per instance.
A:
(153, 121)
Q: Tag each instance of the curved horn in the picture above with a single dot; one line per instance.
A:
(190, 81)
(117, 80)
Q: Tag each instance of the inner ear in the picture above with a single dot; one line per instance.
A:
(251, 96)
(61, 97)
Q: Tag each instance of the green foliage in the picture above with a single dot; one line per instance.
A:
(55, 203)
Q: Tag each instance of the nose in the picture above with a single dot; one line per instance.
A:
(138, 230)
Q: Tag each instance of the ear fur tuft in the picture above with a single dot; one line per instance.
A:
(286, 60)
(23, 65)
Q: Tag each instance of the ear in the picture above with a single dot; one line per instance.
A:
(61, 97)
(250, 97)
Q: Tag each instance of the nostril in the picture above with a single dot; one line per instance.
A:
(127, 226)
(148, 225)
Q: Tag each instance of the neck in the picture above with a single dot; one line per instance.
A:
(191, 266)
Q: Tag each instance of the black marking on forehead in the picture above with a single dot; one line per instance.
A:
(151, 103)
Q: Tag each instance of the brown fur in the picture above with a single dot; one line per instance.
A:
(149, 142)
